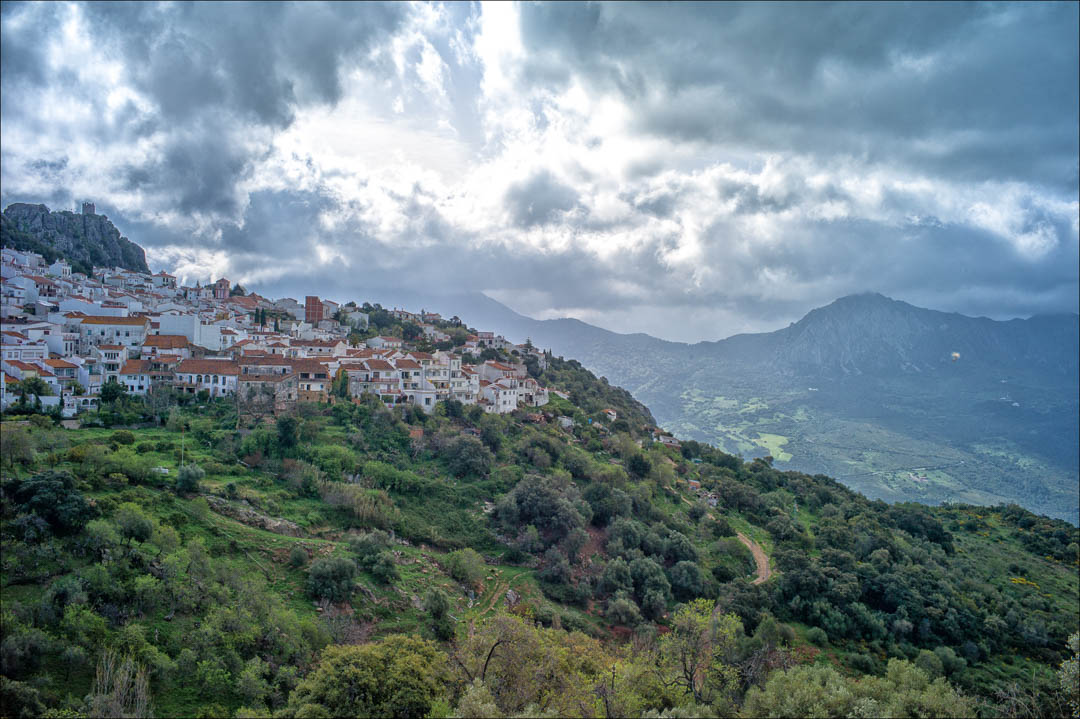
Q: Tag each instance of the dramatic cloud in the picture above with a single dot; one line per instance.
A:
(685, 170)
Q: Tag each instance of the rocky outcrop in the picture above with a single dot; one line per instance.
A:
(244, 514)
(89, 239)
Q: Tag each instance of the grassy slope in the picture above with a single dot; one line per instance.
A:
(455, 516)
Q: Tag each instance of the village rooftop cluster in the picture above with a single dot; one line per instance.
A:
(78, 334)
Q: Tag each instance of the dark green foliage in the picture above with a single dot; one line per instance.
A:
(188, 478)
(52, 496)
(298, 556)
(638, 465)
(368, 546)
(112, 391)
(543, 502)
(331, 578)
(556, 567)
(648, 577)
(686, 581)
(437, 606)
(288, 432)
(467, 456)
(616, 577)
(622, 610)
(384, 569)
(607, 503)
(133, 523)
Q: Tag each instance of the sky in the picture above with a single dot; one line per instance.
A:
(689, 171)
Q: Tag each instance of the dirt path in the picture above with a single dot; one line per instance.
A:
(760, 558)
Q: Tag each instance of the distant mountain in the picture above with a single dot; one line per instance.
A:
(899, 402)
(86, 239)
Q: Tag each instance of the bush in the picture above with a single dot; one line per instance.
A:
(368, 546)
(384, 569)
(331, 578)
(686, 580)
(187, 479)
(123, 437)
(298, 556)
(52, 496)
(817, 636)
(622, 610)
(466, 566)
(467, 456)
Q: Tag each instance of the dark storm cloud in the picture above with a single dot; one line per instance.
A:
(895, 83)
(214, 73)
(540, 200)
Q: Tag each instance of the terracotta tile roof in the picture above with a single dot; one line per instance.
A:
(166, 342)
(265, 360)
(205, 366)
(97, 320)
(60, 364)
(407, 364)
(110, 347)
(378, 364)
(135, 367)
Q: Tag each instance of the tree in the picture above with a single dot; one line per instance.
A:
(467, 456)
(686, 581)
(52, 496)
(112, 391)
(466, 566)
(437, 606)
(399, 676)
(819, 690)
(331, 578)
(288, 432)
(1069, 675)
(34, 387)
(690, 656)
(133, 522)
(188, 478)
(121, 688)
(237, 290)
(16, 445)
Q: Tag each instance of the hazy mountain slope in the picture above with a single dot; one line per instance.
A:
(865, 389)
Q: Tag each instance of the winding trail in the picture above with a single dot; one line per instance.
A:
(760, 558)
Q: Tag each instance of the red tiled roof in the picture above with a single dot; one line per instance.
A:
(166, 342)
(135, 367)
(205, 366)
(97, 320)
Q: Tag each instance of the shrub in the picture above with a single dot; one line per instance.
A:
(466, 566)
(123, 437)
(622, 610)
(331, 578)
(686, 580)
(187, 479)
(52, 496)
(817, 636)
(467, 456)
(384, 569)
(298, 556)
(368, 546)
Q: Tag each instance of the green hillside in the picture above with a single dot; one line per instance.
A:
(352, 561)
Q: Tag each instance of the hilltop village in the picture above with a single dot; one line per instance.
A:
(69, 337)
